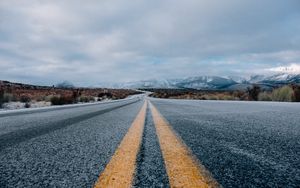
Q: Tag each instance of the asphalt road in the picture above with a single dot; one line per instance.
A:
(150, 170)
(241, 144)
(66, 147)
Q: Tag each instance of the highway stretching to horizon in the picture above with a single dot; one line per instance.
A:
(148, 142)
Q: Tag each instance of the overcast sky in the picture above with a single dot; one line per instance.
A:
(90, 42)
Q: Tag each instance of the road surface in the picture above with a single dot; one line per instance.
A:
(146, 142)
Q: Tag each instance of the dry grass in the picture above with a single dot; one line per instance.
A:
(26, 93)
(288, 93)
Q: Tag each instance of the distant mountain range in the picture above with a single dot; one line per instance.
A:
(198, 82)
(216, 82)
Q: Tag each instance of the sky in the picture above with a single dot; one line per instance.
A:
(101, 41)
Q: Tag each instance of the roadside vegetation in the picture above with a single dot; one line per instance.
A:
(15, 95)
(287, 93)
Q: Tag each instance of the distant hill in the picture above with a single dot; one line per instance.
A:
(197, 82)
(216, 82)
(12, 85)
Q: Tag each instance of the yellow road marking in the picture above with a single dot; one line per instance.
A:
(182, 168)
(119, 172)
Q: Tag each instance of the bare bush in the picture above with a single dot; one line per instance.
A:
(284, 94)
(225, 96)
(48, 98)
(86, 99)
(27, 105)
(253, 92)
(1, 97)
(61, 100)
(25, 98)
(296, 90)
(264, 96)
(7, 97)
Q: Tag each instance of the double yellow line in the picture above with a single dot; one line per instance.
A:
(182, 167)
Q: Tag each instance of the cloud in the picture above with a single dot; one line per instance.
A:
(111, 41)
(292, 68)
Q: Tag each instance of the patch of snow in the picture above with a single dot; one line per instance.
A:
(280, 77)
(237, 79)
(209, 79)
(21, 105)
(256, 78)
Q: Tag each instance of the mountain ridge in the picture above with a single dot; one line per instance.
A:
(267, 82)
(216, 82)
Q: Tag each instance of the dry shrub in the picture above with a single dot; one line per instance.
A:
(253, 92)
(86, 99)
(25, 98)
(61, 100)
(264, 96)
(284, 94)
(1, 97)
(240, 95)
(224, 96)
(210, 97)
(296, 90)
(48, 98)
(8, 97)
(27, 105)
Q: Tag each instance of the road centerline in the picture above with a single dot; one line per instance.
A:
(119, 172)
(150, 171)
(182, 167)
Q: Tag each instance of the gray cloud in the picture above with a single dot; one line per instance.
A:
(110, 41)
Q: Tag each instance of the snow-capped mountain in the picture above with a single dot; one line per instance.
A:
(216, 82)
(238, 79)
(200, 82)
(154, 83)
(205, 82)
(282, 78)
(256, 78)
